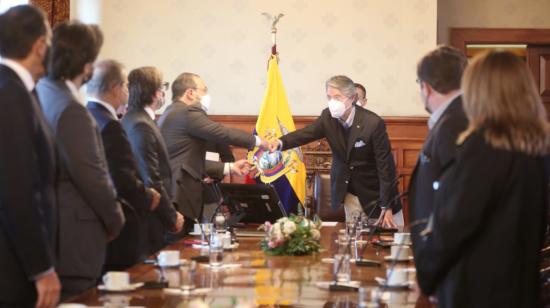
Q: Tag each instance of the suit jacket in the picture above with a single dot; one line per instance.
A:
(88, 210)
(210, 193)
(438, 152)
(154, 168)
(361, 163)
(27, 192)
(488, 228)
(186, 130)
(224, 150)
(135, 198)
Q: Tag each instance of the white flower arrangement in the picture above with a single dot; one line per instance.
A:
(294, 235)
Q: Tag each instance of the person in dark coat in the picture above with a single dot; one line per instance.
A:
(481, 247)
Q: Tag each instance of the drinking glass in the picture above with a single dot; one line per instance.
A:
(216, 249)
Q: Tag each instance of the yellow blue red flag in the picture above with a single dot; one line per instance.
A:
(284, 170)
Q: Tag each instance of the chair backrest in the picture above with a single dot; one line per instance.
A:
(321, 199)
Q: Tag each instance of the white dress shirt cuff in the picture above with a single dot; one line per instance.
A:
(227, 169)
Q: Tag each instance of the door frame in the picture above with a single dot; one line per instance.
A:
(460, 37)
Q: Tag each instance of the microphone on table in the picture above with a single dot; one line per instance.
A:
(219, 196)
(202, 231)
(366, 262)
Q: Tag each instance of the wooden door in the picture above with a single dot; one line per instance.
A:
(538, 58)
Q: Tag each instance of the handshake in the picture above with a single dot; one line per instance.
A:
(271, 145)
(243, 167)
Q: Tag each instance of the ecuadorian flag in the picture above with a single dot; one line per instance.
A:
(284, 170)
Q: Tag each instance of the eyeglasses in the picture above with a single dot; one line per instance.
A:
(164, 86)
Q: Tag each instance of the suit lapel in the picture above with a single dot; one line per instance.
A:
(102, 109)
(339, 141)
(355, 129)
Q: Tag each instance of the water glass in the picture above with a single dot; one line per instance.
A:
(350, 228)
(342, 269)
(187, 274)
(216, 249)
(343, 243)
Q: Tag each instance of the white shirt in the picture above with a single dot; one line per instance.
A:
(106, 105)
(22, 72)
(437, 114)
(150, 112)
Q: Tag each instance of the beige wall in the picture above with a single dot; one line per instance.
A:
(375, 42)
(490, 14)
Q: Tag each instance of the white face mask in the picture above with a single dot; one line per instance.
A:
(337, 108)
(205, 102)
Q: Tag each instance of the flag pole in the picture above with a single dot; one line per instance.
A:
(275, 21)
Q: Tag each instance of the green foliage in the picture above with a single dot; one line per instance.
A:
(292, 236)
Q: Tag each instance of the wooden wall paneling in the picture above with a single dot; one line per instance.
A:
(538, 58)
(460, 37)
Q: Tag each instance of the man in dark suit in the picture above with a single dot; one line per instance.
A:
(108, 90)
(27, 166)
(363, 170)
(89, 214)
(439, 74)
(146, 95)
(187, 129)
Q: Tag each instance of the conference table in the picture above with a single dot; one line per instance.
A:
(252, 278)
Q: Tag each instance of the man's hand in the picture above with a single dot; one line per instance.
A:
(48, 289)
(274, 145)
(155, 199)
(387, 219)
(179, 223)
(240, 167)
(264, 145)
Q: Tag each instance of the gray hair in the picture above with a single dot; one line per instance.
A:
(107, 73)
(342, 83)
(182, 83)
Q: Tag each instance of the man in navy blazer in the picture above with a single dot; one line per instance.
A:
(27, 166)
(439, 74)
(108, 91)
(363, 176)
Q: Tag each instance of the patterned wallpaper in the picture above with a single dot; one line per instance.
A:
(227, 42)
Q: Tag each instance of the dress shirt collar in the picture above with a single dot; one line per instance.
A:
(73, 89)
(106, 105)
(22, 72)
(349, 121)
(437, 114)
(150, 112)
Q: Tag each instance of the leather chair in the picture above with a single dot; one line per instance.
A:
(321, 199)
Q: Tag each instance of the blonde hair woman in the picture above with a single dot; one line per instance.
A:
(482, 246)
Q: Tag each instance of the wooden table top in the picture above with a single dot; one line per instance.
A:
(261, 280)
